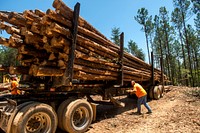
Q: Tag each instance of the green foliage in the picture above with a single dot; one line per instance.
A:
(146, 21)
(115, 36)
(8, 56)
(134, 50)
(172, 39)
(197, 25)
(196, 6)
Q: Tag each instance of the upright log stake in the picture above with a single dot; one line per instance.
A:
(121, 56)
(120, 79)
(152, 69)
(68, 75)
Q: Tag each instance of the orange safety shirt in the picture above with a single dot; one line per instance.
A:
(139, 90)
(14, 85)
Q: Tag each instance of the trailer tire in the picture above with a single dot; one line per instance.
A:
(78, 116)
(11, 128)
(161, 90)
(61, 109)
(35, 117)
(157, 93)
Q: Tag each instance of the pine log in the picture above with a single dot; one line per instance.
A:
(51, 49)
(46, 20)
(24, 57)
(31, 16)
(17, 36)
(136, 70)
(18, 70)
(87, 51)
(47, 31)
(129, 63)
(12, 30)
(31, 38)
(48, 63)
(84, 76)
(68, 13)
(36, 28)
(97, 47)
(63, 56)
(23, 31)
(17, 18)
(15, 42)
(94, 65)
(52, 71)
(45, 71)
(52, 56)
(92, 35)
(39, 13)
(30, 50)
(137, 74)
(135, 59)
(4, 17)
(59, 29)
(62, 64)
(95, 60)
(105, 52)
(4, 41)
(60, 43)
(9, 28)
(3, 26)
(89, 70)
(58, 18)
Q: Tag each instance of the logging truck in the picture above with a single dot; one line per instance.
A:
(64, 62)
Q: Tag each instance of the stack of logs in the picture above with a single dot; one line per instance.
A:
(43, 42)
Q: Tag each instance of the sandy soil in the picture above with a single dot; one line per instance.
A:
(177, 112)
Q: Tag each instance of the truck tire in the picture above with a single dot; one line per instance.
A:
(61, 109)
(157, 93)
(11, 128)
(161, 90)
(35, 118)
(78, 116)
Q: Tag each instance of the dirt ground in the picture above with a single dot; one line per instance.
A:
(177, 112)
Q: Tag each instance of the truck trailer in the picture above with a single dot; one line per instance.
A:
(64, 62)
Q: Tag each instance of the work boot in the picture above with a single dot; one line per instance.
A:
(149, 112)
(138, 113)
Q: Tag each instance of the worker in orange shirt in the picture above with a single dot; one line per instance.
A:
(14, 86)
(142, 97)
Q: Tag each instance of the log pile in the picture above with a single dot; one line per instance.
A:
(43, 40)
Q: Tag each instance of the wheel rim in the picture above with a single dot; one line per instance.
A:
(38, 123)
(158, 93)
(80, 118)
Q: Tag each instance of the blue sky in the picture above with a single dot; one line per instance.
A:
(102, 14)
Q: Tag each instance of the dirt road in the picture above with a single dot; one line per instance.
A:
(177, 112)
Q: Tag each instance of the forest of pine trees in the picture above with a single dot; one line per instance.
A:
(173, 40)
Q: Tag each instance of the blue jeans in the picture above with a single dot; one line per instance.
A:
(143, 100)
